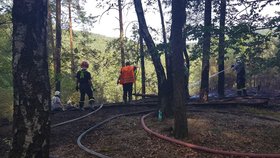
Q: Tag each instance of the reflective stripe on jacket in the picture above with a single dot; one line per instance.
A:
(127, 74)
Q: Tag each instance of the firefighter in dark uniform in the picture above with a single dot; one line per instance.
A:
(84, 85)
(239, 67)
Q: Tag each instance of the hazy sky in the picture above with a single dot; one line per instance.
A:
(108, 25)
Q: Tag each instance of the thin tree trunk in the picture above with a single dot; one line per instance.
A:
(50, 35)
(143, 76)
(58, 46)
(187, 63)
(179, 92)
(121, 32)
(221, 58)
(187, 67)
(31, 122)
(167, 56)
(204, 87)
(161, 78)
(168, 109)
(73, 63)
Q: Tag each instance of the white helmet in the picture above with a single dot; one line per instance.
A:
(56, 93)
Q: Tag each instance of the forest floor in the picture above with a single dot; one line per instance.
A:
(230, 128)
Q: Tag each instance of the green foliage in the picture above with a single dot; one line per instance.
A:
(5, 57)
(5, 71)
(104, 64)
(194, 77)
(6, 105)
(68, 89)
(259, 50)
(6, 93)
(151, 77)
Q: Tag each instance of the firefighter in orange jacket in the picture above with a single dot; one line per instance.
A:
(127, 78)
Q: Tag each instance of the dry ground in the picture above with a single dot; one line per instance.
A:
(242, 129)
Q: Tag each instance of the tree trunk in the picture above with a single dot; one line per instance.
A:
(143, 76)
(121, 32)
(167, 56)
(50, 35)
(179, 93)
(161, 78)
(31, 122)
(73, 63)
(57, 59)
(168, 109)
(204, 86)
(187, 67)
(221, 58)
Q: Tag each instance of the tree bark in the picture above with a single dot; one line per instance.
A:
(57, 70)
(221, 58)
(143, 72)
(161, 78)
(50, 35)
(121, 32)
(187, 67)
(168, 109)
(179, 93)
(204, 86)
(167, 56)
(31, 122)
(73, 63)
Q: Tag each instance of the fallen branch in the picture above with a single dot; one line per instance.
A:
(146, 95)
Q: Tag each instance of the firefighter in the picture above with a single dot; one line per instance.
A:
(56, 102)
(84, 85)
(127, 78)
(239, 67)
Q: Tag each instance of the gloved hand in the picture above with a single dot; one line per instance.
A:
(77, 88)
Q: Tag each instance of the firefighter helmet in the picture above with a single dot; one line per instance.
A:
(84, 64)
(127, 62)
(57, 93)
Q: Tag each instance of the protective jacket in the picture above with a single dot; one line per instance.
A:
(240, 71)
(127, 74)
(84, 77)
(56, 103)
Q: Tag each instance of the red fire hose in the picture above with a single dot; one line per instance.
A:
(202, 148)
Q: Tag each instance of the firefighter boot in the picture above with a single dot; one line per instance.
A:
(125, 98)
(81, 105)
(239, 92)
(129, 98)
(244, 92)
(91, 104)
